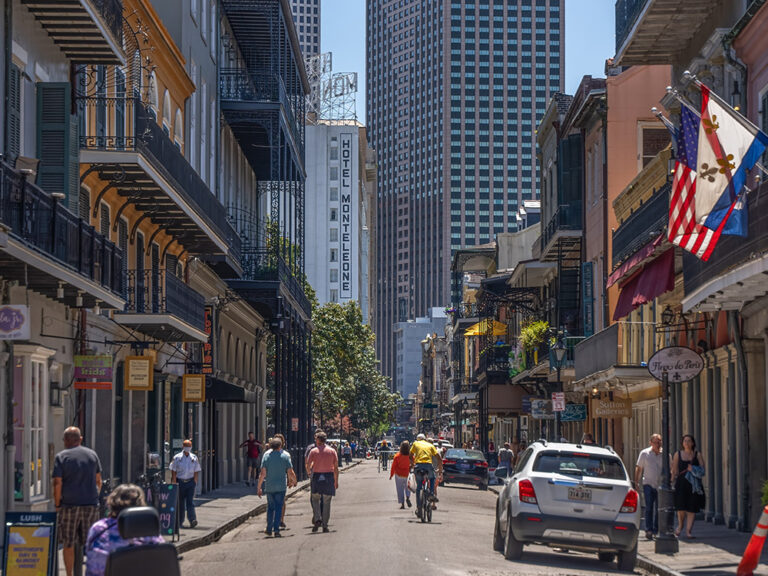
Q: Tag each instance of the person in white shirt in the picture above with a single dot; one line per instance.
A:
(648, 468)
(185, 468)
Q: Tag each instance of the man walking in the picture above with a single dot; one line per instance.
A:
(505, 457)
(253, 451)
(323, 465)
(649, 464)
(76, 487)
(276, 468)
(185, 468)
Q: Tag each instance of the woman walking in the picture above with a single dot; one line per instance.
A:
(687, 472)
(401, 466)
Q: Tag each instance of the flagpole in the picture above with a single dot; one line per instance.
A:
(743, 120)
(739, 118)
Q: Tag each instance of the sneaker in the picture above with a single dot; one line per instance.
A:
(268, 532)
(193, 524)
(277, 534)
(282, 524)
(318, 523)
(325, 530)
(408, 501)
(649, 535)
(315, 528)
(402, 506)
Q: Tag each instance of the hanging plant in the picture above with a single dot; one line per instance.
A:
(533, 335)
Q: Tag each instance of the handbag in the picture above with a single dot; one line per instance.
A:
(412, 482)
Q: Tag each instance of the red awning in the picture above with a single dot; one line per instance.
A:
(656, 278)
(634, 260)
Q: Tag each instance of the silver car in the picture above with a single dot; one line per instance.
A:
(570, 496)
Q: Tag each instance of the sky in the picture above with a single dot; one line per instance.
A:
(589, 40)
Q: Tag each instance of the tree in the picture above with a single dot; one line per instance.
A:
(345, 371)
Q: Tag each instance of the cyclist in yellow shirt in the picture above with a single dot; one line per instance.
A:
(422, 453)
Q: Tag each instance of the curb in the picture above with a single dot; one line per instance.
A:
(217, 533)
(647, 564)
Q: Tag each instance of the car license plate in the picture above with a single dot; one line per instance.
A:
(463, 466)
(580, 494)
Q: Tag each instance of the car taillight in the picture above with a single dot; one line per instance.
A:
(526, 492)
(630, 502)
(482, 464)
(449, 461)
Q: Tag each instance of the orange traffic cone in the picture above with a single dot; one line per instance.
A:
(751, 556)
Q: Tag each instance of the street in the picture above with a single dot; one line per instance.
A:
(371, 535)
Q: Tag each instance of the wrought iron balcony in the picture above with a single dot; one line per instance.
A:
(122, 140)
(162, 306)
(267, 265)
(86, 31)
(65, 251)
(562, 232)
(643, 225)
(494, 360)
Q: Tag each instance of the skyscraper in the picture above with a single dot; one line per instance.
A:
(455, 91)
(306, 17)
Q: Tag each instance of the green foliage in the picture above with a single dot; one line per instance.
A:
(533, 335)
(345, 371)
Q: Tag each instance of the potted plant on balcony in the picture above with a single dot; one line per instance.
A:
(532, 336)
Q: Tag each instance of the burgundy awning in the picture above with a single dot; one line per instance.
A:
(656, 278)
(634, 260)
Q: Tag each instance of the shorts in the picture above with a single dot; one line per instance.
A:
(253, 462)
(74, 522)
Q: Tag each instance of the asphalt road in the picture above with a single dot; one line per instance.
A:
(371, 535)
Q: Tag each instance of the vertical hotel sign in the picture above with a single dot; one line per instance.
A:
(346, 190)
(207, 363)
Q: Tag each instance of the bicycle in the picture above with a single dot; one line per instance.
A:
(423, 496)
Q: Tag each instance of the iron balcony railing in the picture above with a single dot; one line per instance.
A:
(267, 265)
(566, 217)
(495, 359)
(161, 292)
(45, 224)
(642, 226)
(627, 12)
(111, 11)
(238, 85)
(124, 124)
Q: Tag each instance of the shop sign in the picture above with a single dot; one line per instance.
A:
(574, 413)
(193, 388)
(14, 322)
(294, 424)
(89, 385)
(99, 367)
(138, 373)
(616, 408)
(30, 544)
(541, 409)
(207, 364)
(526, 405)
(680, 363)
(558, 401)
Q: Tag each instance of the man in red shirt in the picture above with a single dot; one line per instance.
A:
(323, 465)
(253, 452)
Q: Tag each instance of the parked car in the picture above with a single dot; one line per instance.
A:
(569, 496)
(465, 467)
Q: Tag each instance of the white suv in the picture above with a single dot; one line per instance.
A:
(570, 496)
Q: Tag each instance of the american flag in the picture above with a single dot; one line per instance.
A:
(683, 230)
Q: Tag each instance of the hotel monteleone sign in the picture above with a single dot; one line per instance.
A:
(347, 232)
(680, 363)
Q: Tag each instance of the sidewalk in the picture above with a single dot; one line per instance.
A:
(715, 551)
(222, 510)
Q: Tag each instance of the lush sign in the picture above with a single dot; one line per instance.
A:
(30, 544)
(681, 364)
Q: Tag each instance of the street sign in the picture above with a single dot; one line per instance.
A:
(558, 401)
(574, 413)
(680, 363)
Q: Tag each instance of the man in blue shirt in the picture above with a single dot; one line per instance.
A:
(276, 476)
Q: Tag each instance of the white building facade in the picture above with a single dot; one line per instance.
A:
(337, 223)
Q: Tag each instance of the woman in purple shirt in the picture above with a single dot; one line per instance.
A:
(104, 537)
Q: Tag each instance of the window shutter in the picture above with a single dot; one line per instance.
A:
(171, 264)
(104, 223)
(84, 205)
(57, 142)
(13, 146)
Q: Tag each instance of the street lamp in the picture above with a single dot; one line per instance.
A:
(559, 351)
(667, 542)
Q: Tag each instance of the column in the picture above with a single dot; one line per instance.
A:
(716, 467)
(733, 501)
(710, 445)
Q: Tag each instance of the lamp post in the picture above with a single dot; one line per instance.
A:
(560, 351)
(667, 542)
